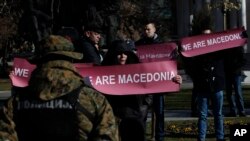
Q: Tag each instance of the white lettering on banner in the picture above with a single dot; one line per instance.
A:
(223, 39)
(187, 47)
(134, 78)
(212, 41)
(145, 77)
(21, 72)
(199, 44)
(105, 80)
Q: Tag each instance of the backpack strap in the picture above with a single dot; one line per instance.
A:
(73, 98)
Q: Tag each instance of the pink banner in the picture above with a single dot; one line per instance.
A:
(206, 43)
(156, 52)
(144, 78)
(21, 72)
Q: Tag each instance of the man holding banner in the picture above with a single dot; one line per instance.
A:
(151, 37)
(209, 79)
(209, 83)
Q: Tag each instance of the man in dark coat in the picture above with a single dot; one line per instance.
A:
(89, 44)
(209, 79)
(151, 37)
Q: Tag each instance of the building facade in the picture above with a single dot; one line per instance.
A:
(227, 14)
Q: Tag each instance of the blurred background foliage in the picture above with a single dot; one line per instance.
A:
(25, 22)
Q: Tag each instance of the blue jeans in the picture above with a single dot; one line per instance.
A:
(217, 104)
(158, 105)
(236, 102)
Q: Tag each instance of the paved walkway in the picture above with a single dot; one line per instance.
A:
(186, 114)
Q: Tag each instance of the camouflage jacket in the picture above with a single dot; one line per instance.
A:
(55, 79)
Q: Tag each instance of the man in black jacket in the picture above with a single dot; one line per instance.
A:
(209, 83)
(89, 44)
(151, 37)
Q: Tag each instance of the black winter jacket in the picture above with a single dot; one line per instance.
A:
(234, 61)
(90, 52)
(129, 105)
(207, 72)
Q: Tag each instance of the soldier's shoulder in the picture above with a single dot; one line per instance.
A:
(92, 93)
(89, 91)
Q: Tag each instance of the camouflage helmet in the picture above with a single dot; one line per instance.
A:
(55, 44)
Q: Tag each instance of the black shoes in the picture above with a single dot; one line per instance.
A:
(210, 113)
(194, 114)
(242, 114)
(216, 140)
(231, 114)
(221, 140)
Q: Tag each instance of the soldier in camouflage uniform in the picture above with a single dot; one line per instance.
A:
(50, 108)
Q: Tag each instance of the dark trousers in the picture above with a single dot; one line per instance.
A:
(236, 102)
(194, 102)
(132, 129)
(158, 107)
